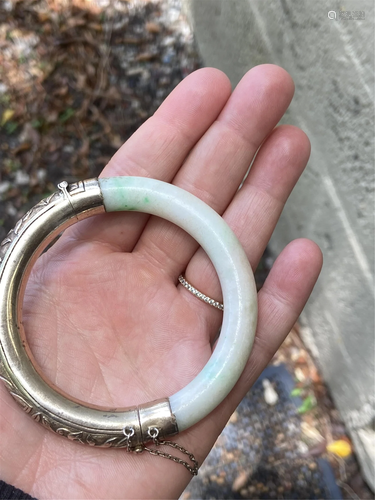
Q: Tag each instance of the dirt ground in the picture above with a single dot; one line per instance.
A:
(321, 423)
(77, 78)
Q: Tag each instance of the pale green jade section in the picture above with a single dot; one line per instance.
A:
(223, 369)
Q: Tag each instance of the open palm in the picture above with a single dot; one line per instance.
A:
(104, 315)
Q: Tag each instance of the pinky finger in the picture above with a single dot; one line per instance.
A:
(280, 302)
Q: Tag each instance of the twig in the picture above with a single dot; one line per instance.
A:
(103, 63)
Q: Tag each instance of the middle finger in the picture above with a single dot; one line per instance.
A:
(217, 164)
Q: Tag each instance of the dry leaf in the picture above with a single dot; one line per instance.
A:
(311, 433)
(234, 417)
(145, 56)
(43, 16)
(341, 448)
(300, 376)
(153, 27)
(96, 26)
(317, 450)
(21, 148)
(7, 115)
(116, 141)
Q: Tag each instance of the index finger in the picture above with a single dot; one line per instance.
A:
(158, 149)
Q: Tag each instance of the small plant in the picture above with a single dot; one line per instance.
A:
(308, 404)
(65, 115)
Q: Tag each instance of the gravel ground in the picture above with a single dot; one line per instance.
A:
(261, 452)
(279, 448)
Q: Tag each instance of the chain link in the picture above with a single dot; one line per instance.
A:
(192, 469)
(153, 432)
(128, 433)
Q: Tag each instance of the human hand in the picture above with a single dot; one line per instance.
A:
(102, 312)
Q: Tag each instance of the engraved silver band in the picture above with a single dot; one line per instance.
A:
(200, 295)
(45, 403)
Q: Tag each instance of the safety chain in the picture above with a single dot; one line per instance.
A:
(153, 432)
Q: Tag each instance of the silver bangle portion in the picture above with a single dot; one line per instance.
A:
(44, 402)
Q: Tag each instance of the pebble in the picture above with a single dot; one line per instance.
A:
(168, 41)
(11, 210)
(22, 178)
(4, 186)
(270, 395)
(240, 481)
(7, 5)
(302, 448)
(41, 175)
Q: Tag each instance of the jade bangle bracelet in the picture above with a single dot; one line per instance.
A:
(94, 425)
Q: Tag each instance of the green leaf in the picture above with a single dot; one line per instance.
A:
(10, 127)
(37, 123)
(297, 391)
(307, 405)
